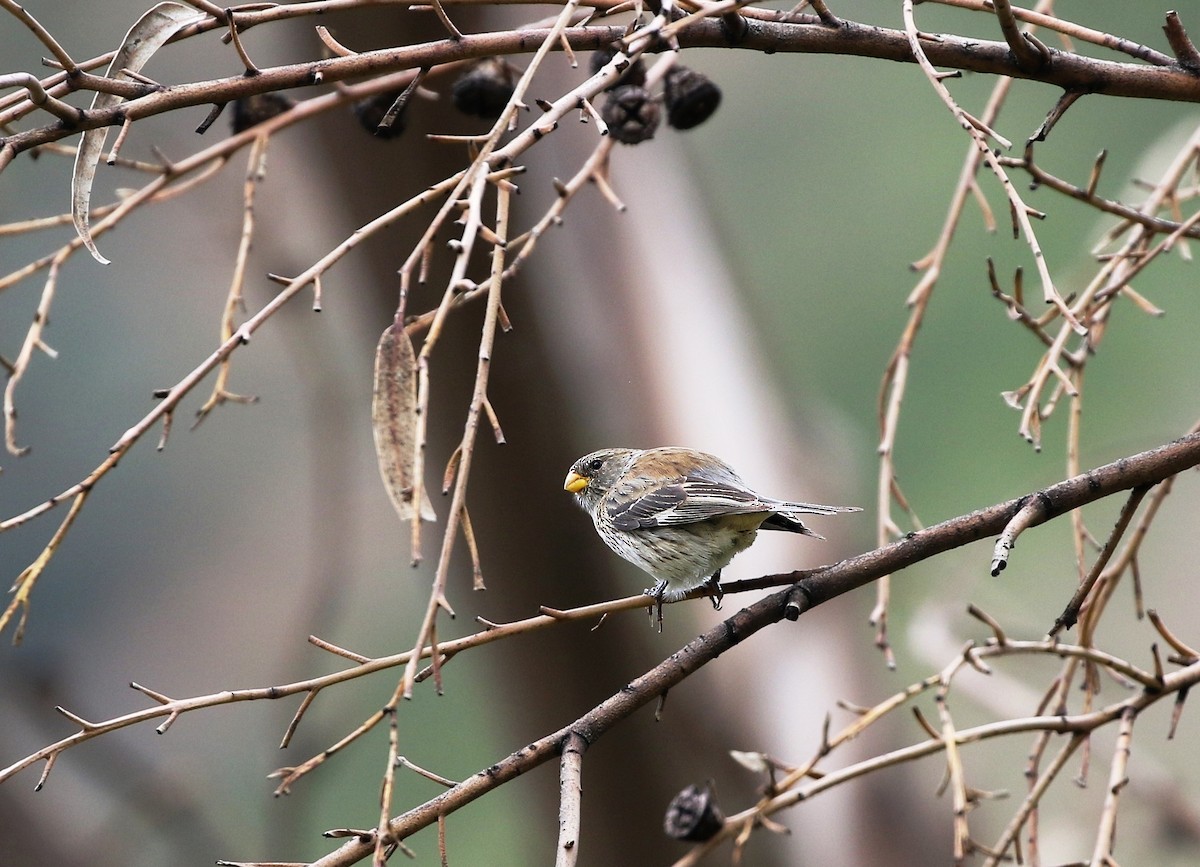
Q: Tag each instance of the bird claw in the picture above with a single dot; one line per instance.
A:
(657, 591)
(716, 594)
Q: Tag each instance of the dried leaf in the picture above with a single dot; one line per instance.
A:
(394, 421)
(451, 469)
(144, 38)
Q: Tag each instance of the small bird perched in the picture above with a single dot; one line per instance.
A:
(679, 514)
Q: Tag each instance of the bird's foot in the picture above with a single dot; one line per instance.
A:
(657, 591)
(716, 594)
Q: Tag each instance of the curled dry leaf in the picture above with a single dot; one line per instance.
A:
(144, 38)
(394, 421)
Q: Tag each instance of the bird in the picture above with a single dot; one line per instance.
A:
(679, 514)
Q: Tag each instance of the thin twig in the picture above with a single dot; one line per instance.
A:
(1021, 212)
(1070, 724)
(1181, 44)
(43, 35)
(1011, 831)
(1033, 512)
(1028, 57)
(821, 586)
(1117, 779)
(1053, 23)
(1070, 614)
(39, 97)
(234, 303)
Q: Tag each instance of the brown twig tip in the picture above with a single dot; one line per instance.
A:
(1030, 514)
(1182, 45)
(1187, 653)
(78, 720)
(403, 762)
(1177, 712)
(1070, 614)
(157, 696)
(827, 17)
(440, 11)
(290, 731)
(1158, 664)
(336, 650)
(68, 114)
(1052, 117)
(1094, 176)
(251, 69)
(1029, 54)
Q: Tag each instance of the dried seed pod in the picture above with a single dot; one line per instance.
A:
(631, 113)
(694, 814)
(691, 97)
(484, 89)
(372, 112)
(252, 110)
(635, 73)
(394, 422)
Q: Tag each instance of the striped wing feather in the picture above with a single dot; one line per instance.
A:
(641, 501)
(683, 502)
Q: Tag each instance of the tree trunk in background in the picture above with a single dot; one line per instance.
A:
(628, 331)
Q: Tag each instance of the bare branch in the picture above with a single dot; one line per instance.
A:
(41, 98)
(1068, 71)
(1023, 47)
(1117, 780)
(1181, 44)
(570, 795)
(43, 35)
(1070, 614)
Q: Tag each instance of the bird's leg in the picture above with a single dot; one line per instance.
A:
(657, 591)
(716, 594)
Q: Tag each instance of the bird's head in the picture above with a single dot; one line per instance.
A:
(593, 475)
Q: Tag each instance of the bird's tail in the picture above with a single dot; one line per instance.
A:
(787, 517)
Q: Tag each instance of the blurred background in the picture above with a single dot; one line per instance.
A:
(745, 303)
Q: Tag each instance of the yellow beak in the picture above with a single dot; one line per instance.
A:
(575, 483)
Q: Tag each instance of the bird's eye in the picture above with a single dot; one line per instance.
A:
(595, 464)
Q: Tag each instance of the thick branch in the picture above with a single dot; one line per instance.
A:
(1063, 69)
(817, 586)
(1146, 468)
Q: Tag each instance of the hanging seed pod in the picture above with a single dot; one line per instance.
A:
(635, 73)
(373, 114)
(694, 814)
(691, 97)
(631, 113)
(252, 110)
(394, 423)
(484, 89)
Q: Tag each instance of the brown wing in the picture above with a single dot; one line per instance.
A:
(672, 486)
(639, 503)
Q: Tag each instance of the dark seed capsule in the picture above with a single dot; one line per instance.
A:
(372, 111)
(255, 109)
(631, 113)
(484, 89)
(691, 97)
(635, 73)
(693, 814)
